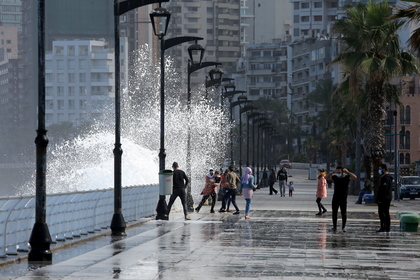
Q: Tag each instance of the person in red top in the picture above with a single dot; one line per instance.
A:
(210, 189)
(321, 191)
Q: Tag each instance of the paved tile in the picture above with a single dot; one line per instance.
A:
(282, 240)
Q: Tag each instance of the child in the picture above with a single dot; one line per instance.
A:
(291, 188)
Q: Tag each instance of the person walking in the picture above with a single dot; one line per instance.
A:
(282, 178)
(224, 184)
(247, 185)
(384, 198)
(291, 188)
(209, 190)
(321, 191)
(233, 181)
(271, 181)
(180, 182)
(341, 178)
(264, 179)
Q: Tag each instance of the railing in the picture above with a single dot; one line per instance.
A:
(70, 215)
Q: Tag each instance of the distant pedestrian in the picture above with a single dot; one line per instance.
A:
(282, 178)
(209, 190)
(341, 178)
(224, 184)
(271, 181)
(291, 188)
(264, 179)
(384, 198)
(233, 181)
(321, 191)
(367, 189)
(180, 182)
(247, 185)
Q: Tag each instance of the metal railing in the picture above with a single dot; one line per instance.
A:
(70, 215)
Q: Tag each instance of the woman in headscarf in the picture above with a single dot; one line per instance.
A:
(247, 186)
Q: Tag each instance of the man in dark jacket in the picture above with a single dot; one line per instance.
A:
(180, 182)
(282, 178)
(384, 198)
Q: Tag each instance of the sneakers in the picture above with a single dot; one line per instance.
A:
(334, 229)
(247, 217)
(187, 218)
(325, 211)
(197, 209)
(236, 213)
(222, 211)
(211, 211)
(318, 214)
(228, 210)
(343, 229)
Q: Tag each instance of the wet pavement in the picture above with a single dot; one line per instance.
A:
(282, 240)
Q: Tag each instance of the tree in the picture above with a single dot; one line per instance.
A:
(409, 12)
(372, 48)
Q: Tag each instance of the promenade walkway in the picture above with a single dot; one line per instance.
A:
(282, 240)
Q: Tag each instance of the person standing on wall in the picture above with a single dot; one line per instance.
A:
(384, 198)
(282, 178)
(180, 182)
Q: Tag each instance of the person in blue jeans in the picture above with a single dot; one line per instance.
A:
(366, 190)
(247, 186)
(225, 190)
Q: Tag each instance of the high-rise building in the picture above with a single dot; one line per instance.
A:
(217, 22)
(80, 81)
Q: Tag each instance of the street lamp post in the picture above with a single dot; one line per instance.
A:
(40, 238)
(241, 100)
(120, 7)
(155, 16)
(192, 67)
(230, 94)
(243, 110)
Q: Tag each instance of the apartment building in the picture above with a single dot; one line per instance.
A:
(80, 80)
(217, 22)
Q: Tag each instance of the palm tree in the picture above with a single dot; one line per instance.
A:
(409, 12)
(372, 49)
(311, 146)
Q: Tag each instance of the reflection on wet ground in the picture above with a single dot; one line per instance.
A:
(272, 245)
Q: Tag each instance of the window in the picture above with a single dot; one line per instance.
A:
(59, 50)
(407, 143)
(72, 77)
(60, 104)
(407, 119)
(60, 77)
(304, 5)
(317, 4)
(71, 91)
(407, 158)
(317, 18)
(70, 50)
(295, 6)
(60, 91)
(82, 77)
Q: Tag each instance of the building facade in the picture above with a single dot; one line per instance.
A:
(80, 81)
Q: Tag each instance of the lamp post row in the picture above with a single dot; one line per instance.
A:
(40, 238)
